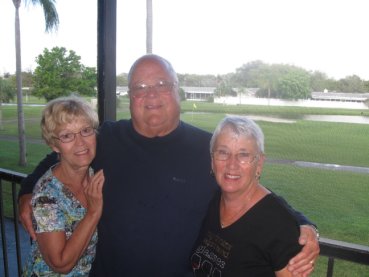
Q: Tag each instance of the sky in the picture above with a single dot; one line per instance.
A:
(204, 36)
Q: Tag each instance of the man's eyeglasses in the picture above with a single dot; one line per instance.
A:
(69, 137)
(161, 87)
(242, 157)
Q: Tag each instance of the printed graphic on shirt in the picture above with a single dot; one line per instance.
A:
(211, 256)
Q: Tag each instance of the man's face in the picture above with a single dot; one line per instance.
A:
(154, 99)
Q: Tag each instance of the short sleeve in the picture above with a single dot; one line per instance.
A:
(286, 232)
(47, 214)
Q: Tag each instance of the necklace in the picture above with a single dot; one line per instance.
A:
(239, 212)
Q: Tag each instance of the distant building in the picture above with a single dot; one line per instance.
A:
(120, 91)
(191, 93)
(339, 96)
(198, 93)
(248, 96)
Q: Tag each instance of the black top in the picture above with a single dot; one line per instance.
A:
(259, 243)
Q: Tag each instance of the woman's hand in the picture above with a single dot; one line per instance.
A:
(62, 254)
(94, 195)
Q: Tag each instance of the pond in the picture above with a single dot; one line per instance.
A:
(338, 118)
(327, 118)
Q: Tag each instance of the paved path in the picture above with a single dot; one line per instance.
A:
(14, 138)
(336, 167)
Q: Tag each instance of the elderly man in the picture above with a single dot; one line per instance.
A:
(157, 183)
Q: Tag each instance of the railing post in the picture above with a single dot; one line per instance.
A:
(330, 267)
(3, 233)
(16, 228)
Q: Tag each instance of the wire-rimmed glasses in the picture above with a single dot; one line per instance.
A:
(162, 87)
(69, 137)
(242, 157)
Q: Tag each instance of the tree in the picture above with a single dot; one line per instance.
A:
(245, 75)
(223, 88)
(60, 73)
(265, 77)
(182, 94)
(366, 86)
(351, 84)
(7, 92)
(282, 81)
(122, 79)
(87, 83)
(148, 26)
(318, 81)
(194, 80)
(294, 85)
(51, 23)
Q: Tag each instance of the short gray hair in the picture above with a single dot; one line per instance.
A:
(242, 126)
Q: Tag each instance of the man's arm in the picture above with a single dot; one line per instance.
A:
(303, 263)
(30, 181)
(25, 192)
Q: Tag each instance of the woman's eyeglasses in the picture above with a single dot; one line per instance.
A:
(69, 137)
(242, 157)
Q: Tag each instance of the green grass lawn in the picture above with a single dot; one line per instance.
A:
(337, 201)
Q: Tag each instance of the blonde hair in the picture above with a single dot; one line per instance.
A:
(65, 110)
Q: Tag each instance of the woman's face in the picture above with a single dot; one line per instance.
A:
(232, 175)
(79, 152)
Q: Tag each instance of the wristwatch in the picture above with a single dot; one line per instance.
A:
(315, 229)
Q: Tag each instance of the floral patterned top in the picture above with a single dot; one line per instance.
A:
(55, 208)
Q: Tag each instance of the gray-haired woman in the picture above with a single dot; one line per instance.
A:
(248, 230)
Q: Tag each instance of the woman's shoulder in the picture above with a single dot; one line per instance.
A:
(47, 185)
(273, 206)
(195, 131)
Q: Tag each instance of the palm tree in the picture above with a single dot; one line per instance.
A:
(51, 23)
(148, 26)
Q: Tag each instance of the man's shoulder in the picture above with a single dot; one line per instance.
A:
(114, 124)
(113, 127)
(193, 130)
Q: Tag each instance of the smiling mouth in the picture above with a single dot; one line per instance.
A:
(82, 152)
(153, 107)
(231, 176)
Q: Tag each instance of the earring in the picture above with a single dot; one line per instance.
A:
(257, 175)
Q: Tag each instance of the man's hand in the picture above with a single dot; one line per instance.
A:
(303, 263)
(25, 214)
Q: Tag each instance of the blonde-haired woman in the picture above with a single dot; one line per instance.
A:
(67, 200)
